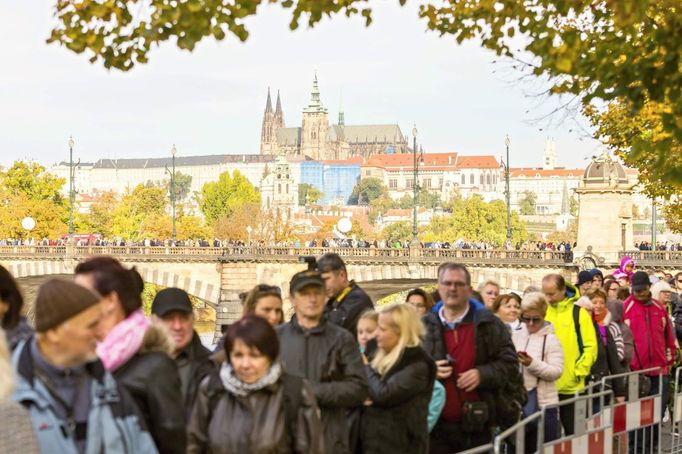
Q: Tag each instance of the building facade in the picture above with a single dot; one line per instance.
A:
(444, 174)
(321, 140)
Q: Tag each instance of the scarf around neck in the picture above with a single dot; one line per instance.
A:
(123, 341)
(237, 387)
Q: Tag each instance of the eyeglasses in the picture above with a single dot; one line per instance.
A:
(458, 284)
(532, 320)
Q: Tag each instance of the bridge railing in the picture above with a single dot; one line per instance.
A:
(216, 253)
(655, 258)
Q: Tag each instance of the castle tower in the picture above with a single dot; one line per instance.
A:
(549, 155)
(315, 126)
(268, 134)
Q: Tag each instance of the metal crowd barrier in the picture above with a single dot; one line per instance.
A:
(593, 434)
(676, 430)
(513, 440)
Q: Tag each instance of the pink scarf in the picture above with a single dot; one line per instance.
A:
(123, 341)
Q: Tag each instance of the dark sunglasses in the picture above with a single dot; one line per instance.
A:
(531, 320)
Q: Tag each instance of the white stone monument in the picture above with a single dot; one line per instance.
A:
(605, 211)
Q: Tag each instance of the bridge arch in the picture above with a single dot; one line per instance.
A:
(206, 292)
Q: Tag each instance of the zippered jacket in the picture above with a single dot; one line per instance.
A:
(577, 366)
(113, 426)
(653, 336)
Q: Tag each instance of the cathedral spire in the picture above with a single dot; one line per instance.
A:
(278, 109)
(315, 104)
(268, 103)
(342, 117)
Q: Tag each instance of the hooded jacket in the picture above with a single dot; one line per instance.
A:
(653, 337)
(547, 364)
(621, 272)
(577, 366)
(151, 377)
(328, 357)
(113, 424)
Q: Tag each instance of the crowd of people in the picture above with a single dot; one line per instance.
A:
(440, 373)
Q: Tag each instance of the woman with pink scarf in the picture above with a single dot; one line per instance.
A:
(624, 273)
(136, 350)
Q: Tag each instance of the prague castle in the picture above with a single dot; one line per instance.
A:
(320, 140)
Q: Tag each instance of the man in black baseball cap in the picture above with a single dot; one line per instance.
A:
(326, 355)
(173, 306)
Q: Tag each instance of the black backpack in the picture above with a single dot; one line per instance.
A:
(291, 399)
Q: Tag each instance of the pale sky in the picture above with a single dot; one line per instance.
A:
(211, 101)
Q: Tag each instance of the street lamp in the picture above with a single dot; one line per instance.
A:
(172, 191)
(71, 192)
(415, 173)
(507, 192)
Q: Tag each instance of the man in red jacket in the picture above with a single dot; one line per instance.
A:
(654, 343)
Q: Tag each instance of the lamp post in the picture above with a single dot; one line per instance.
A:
(71, 193)
(653, 224)
(507, 192)
(172, 191)
(415, 174)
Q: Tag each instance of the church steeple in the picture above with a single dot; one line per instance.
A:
(315, 104)
(279, 113)
(268, 103)
(342, 117)
(565, 204)
(278, 109)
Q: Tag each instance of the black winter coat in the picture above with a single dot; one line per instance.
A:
(496, 358)
(396, 422)
(152, 379)
(607, 363)
(200, 365)
(328, 357)
(345, 313)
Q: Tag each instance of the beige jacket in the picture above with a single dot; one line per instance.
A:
(541, 373)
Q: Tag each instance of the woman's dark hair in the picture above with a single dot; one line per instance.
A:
(428, 299)
(10, 294)
(251, 299)
(110, 276)
(255, 332)
(623, 293)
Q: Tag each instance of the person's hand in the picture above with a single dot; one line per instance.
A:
(524, 359)
(444, 369)
(368, 402)
(469, 380)
(365, 361)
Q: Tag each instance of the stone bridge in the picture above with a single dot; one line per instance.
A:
(218, 275)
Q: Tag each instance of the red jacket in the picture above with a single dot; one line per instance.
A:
(652, 334)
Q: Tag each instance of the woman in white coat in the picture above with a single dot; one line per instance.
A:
(542, 362)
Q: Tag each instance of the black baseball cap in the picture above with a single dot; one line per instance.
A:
(640, 281)
(170, 300)
(305, 279)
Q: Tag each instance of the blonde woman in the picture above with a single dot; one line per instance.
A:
(400, 377)
(542, 361)
(16, 429)
(489, 290)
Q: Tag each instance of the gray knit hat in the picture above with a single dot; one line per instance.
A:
(58, 301)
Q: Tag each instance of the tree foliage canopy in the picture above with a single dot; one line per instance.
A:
(307, 193)
(222, 197)
(607, 50)
(366, 191)
(527, 203)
